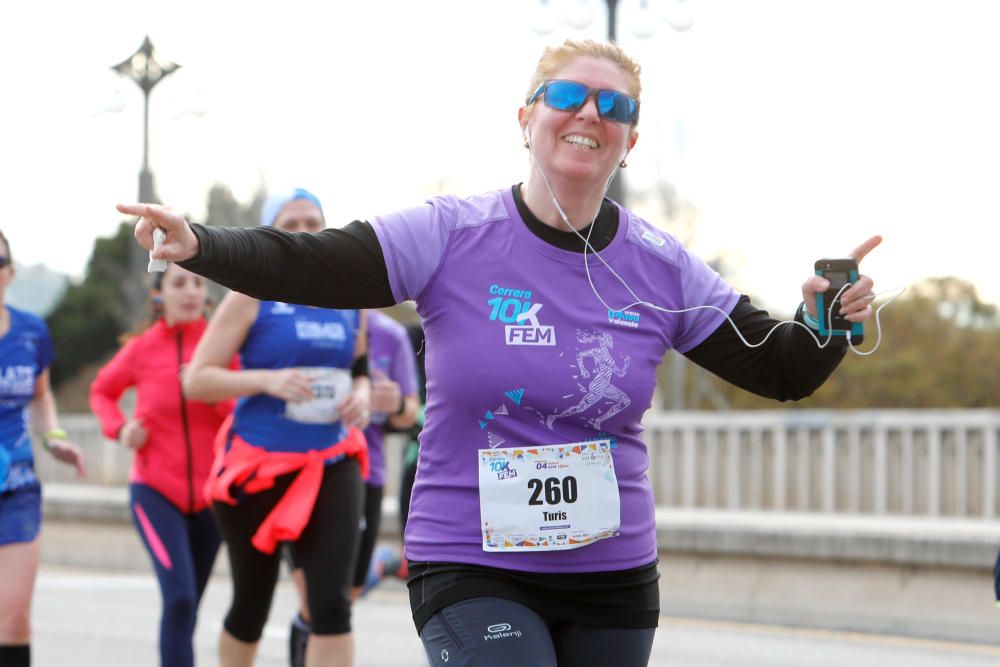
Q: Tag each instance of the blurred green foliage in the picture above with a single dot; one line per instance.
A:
(89, 320)
(940, 348)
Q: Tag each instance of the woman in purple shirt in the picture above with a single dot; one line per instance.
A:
(546, 309)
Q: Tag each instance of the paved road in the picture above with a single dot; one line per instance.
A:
(91, 618)
(88, 618)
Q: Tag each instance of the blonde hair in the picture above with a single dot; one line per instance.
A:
(554, 58)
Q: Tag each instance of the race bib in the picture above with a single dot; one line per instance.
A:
(548, 498)
(330, 386)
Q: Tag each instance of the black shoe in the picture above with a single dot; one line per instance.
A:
(298, 639)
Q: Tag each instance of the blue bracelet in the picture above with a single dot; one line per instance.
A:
(809, 320)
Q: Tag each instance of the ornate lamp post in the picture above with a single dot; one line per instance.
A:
(145, 70)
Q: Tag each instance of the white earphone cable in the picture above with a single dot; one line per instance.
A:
(641, 302)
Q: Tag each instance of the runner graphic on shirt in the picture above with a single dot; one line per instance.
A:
(600, 386)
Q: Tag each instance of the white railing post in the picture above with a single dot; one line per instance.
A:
(989, 470)
(711, 471)
(734, 496)
(804, 488)
(779, 439)
(881, 473)
(854, 468)
(829, 469)
(961, 471)
(906, 475)
(934, 470)
(689, 480)
(756, 468)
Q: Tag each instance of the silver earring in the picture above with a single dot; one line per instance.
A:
(623, 164)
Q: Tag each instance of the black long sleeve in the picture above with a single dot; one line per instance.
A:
(334, 268)
(789, 366)
(345, 268)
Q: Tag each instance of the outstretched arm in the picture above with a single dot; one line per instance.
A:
(790, 365)
(335, 268)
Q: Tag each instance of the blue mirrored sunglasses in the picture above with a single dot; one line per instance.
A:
(571, 96)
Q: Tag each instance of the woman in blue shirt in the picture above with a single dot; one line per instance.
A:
(26, 402)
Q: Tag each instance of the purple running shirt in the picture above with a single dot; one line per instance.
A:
(520, 352)
(389, 352)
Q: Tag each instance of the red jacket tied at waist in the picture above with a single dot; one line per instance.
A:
(254, 469)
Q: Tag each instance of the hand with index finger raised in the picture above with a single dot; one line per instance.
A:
(180, 243)
(862, 250)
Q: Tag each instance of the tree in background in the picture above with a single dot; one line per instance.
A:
(225, 211)
(939, 349)
(91, 316)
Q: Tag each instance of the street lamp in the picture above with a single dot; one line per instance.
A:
(145, 70)
(578, 14)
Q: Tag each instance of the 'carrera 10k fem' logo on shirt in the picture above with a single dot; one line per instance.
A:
(514, 308)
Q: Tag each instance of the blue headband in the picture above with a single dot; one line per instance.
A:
(274, 203)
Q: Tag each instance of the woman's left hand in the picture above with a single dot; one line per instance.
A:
(67, 452)
(856, 301)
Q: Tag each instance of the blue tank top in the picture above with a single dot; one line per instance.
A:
(25, 352)
(284, 336)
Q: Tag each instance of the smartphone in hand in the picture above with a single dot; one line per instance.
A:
(839, 272)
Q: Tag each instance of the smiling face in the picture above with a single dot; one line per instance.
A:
(184, 295)
(580, 145)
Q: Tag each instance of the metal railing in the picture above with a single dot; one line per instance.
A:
(932, 463)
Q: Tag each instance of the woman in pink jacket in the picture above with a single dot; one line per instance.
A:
(172, 437)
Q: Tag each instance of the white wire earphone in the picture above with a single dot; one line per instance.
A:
(642, 302)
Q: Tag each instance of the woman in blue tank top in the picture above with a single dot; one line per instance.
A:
(26, 404)
(303, 398)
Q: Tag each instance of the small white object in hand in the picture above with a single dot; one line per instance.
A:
(157, 264)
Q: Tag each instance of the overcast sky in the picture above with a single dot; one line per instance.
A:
(795, 128)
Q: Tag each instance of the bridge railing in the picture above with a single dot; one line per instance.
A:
(930, 463)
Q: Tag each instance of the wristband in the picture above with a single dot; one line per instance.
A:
(360, 367)
(809, 320)
(53, 434)
(402, 406)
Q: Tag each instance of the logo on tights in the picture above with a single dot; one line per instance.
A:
(501, 631)
(444, 654)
